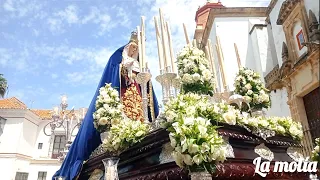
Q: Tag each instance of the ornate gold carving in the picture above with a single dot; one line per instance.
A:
(285, 10)
(133, 103)
(273, 79)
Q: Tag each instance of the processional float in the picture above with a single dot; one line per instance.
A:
(151, 159)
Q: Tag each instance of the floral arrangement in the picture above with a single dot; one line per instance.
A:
(190, 104)
(194, 72)
(108, 109)
(316, 152)
(124, 134)
(249, 85)
(281, 125)
(195, 140)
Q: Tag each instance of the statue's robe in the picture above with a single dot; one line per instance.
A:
(88, 139)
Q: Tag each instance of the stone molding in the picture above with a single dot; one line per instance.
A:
(286, 8)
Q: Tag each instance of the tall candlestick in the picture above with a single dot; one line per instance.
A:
(160, 50)
(213, 63)
(171, 48)
(186, 33)
(237, 54)
(164, 45)
(222, 68)
(139, 47)
(143, 41)
(194, 43)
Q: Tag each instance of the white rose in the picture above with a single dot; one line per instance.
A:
(191, 110)
(317, 149)
(170, 115)
(248, 86)
(230, 117)
(114, 94)
(103, 121)
(197, 159)
(207, 74)
(249, 92)
(187, 78)
(188, 121)
(293, 130)
(196, 77)
(139, 133)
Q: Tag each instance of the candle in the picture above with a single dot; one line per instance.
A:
(221, 68)
(143, 41)
(164, 45)
(186, 33)
(160, 50)
(171, 48)
(210, 51)
(237, 54)
(139, 48)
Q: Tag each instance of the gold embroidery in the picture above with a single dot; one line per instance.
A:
(133, 103)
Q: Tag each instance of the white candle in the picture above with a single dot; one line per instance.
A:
(139, 48)
(194, 42)
(64, 99)
(143, 41)
(164, 45)
(222, 68)
(171, 48)
(160, 50)
(186, 33)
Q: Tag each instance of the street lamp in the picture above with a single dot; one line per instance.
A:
(67, 120)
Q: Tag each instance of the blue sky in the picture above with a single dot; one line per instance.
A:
(49, 48)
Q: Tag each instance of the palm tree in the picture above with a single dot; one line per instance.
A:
(3, 86)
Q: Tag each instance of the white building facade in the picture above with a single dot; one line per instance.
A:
(26, 153)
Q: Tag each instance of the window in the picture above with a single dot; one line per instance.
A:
(42, 175)
(21, 176)
(58, 145)
(40, 145)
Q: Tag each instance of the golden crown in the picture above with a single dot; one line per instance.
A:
(134, 37)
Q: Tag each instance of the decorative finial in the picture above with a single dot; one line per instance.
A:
(134, 37)
(313, 23)
(284, 52)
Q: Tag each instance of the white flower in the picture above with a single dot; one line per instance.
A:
(188, 121)
(193, 148)
(187, 159)
(248, 86)
(207, 74)
(187, 78)
(103, 121)
(191, 110)
(173, 141)
(249, 92)
(178, 158)
(317, 149)
(196, 77)
(114, 94)
(170, 115)
(197, 159)
(230, 117)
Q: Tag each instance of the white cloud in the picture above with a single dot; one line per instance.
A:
(21, 8)
(16, 60)
(54, 76)
(69, 14)
(75, 77)
(55, 25)
(8, 6)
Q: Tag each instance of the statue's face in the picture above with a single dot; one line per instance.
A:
(133, 49)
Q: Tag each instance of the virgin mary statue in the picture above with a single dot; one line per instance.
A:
(120, 71)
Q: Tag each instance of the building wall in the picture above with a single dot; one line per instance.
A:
(7, 168)
(48, 167)
(255, 51)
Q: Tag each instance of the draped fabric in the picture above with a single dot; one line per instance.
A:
(88, 139)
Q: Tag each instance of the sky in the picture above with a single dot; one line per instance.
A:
(50, 48)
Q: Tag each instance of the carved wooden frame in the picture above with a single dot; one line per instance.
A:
(297, 14)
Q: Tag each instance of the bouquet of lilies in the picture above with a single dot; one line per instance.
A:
(108, 109)
(194, 72)
(249, 85)
(124, 134)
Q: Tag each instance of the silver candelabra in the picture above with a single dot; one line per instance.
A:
(143, 78)
(63, 118)
(166, 78)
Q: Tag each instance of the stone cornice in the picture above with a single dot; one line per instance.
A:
(257, 26)
(46, 161)
(15, 155)
(285, 10)
(230, 12)
(21, 113)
